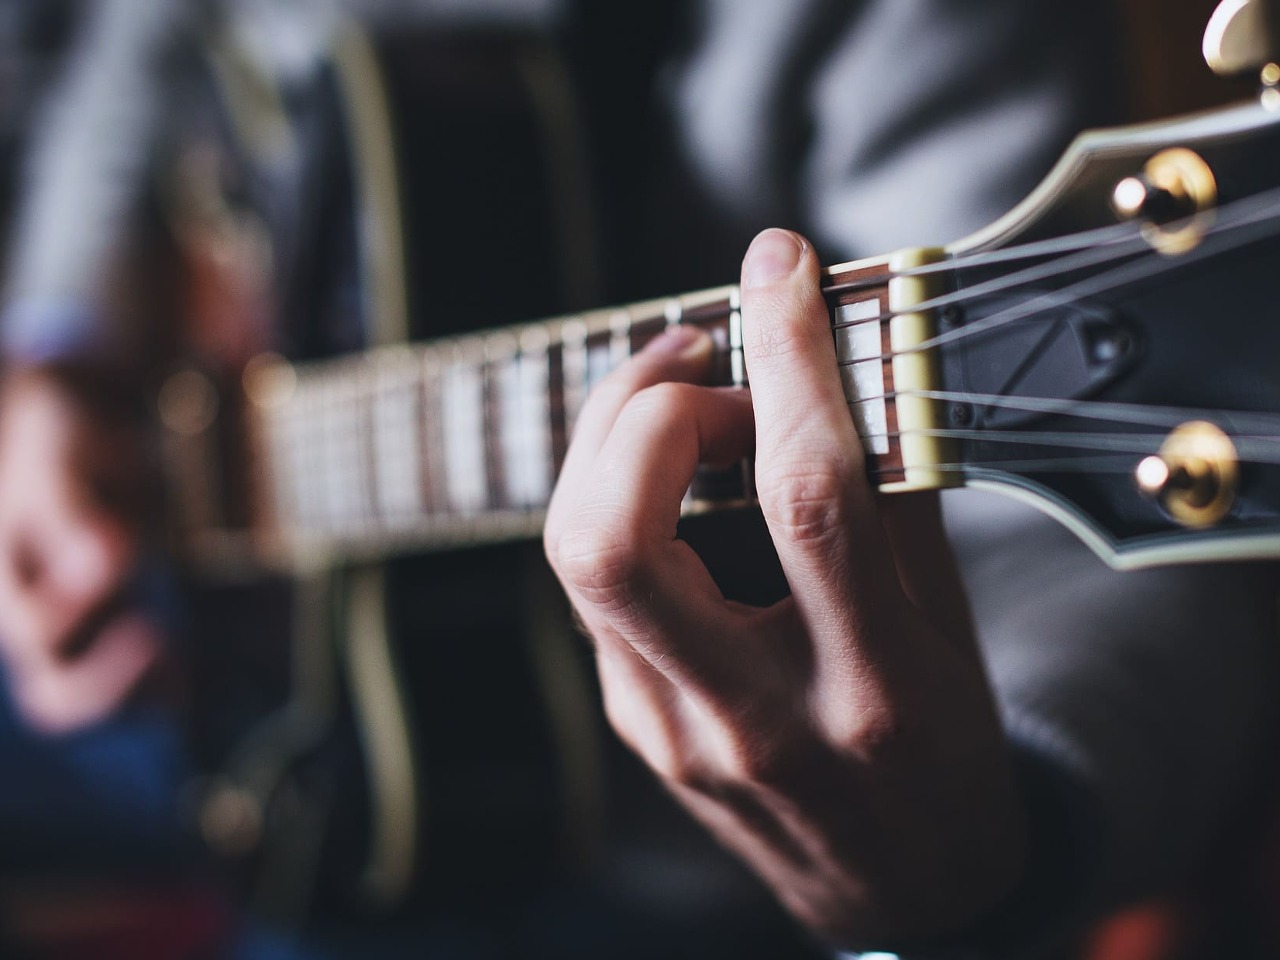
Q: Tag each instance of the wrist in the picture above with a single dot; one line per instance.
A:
(1053, 898)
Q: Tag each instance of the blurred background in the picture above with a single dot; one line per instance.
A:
(374, 760)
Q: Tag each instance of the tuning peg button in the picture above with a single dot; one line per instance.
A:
(1173, 197)
(1137, 198)
(1194, 476)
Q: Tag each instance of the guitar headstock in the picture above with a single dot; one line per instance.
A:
(1109, 349)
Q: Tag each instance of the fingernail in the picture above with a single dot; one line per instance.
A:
(677, 340)
(773, 256)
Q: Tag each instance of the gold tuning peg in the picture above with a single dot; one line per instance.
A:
(1195, 475)
(1243, 36)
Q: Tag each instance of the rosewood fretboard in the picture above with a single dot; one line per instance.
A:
(459, 441)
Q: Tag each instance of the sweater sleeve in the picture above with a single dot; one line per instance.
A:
(85, 171)
(1139, 713)
(883, 123)
(1138, 706)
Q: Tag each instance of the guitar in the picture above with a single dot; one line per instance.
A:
(1057, 356)
(1071, 355)
(383, 723)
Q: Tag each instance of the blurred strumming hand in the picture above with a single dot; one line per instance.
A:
(69, 544)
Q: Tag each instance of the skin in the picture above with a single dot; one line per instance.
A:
(843, 741)
(72, 652)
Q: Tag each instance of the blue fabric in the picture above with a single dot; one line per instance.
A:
(37, 330)
(259, 942)
(101, 800)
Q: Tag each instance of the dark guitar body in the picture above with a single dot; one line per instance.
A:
(531, 832)
(491, 816)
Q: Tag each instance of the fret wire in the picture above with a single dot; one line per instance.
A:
(738, 375)
(698, 311)
(644, 330)
(600, 352)
(317, 455)
(279, 425)
(372, 511)
(619, 338)
(569, 358)
(396, 412)
(573, 370)
(432, 432)
(737, 358)
(339, 489)
(338, 498)
(326, 513)
(538, 410)
(500, 351)
(329, 447)
(599, 321)
(673, 312)
(310, 495)
(352, 444)
(355, 465)
(557, 406)
(296, 492)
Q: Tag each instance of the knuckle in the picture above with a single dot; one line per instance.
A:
(621, 714)
(768, 755)
(624, 385)
(623, 380)
(551, 539)
(810, 505)
(680, 769)
(596, 561)
(657, 742)
(875, 735)
(765, 762)
(657, 404)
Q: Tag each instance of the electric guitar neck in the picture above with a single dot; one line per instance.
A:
(1105, 351)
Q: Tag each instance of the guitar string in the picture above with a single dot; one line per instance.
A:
(1132, 413)
(1259, 449)
(1113, 463)
(1099, 236)
(1222, 237)
(1154, 415)
(1262, 220)
(1044, 271)
(1124, 235)
(1237, 216)
(1262, 209)
(1231, 230)
(1151, 415)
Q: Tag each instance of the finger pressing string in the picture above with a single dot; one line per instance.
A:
(680, 354)
(617, 552)
(810, 469)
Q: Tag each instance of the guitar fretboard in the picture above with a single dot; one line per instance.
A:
(459, 441)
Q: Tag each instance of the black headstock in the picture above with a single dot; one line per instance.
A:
(1111, 349)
